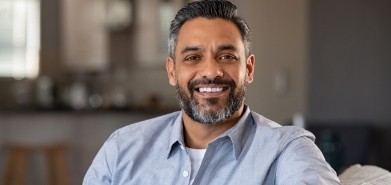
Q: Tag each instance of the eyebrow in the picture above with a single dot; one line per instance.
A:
(190, 48)
(219, 48)
(226, 47)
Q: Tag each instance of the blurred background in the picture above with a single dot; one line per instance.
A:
(73, 71)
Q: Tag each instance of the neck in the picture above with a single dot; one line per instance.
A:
(199, 135)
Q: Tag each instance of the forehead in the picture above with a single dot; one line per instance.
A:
(200, 31)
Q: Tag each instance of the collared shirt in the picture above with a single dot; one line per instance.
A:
(254, 151)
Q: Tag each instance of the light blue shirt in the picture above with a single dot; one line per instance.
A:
(254, 151)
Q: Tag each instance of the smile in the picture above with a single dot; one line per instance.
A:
(213, 90)
(210, 89)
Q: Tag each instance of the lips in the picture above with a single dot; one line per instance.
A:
(209, 89)
(211, 86)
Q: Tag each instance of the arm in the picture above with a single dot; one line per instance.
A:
(301, 162)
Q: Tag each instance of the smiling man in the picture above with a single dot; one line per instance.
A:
(215, 138)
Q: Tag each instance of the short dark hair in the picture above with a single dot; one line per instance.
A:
(209, 9)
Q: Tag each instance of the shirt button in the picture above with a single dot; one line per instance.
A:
(185, 173)
(182, 147)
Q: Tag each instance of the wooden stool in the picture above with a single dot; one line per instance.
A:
(16, 169)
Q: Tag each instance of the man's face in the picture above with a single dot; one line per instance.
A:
(211, 71)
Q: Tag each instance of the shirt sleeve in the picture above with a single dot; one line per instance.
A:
(101, 169)
(301, 162)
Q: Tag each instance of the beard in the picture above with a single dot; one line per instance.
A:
(206, 113)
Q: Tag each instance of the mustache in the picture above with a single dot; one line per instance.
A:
(207, 81)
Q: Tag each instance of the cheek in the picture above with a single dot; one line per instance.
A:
(238, 75)
(240, 81)
(183, 78)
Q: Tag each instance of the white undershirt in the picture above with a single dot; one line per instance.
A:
(196, 156)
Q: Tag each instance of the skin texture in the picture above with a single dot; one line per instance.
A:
(209, 49)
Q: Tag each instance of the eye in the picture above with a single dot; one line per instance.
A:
(228, 58)
(192, 58)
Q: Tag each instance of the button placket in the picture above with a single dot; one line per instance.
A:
(187, 165)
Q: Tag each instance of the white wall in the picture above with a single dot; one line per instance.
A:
(280, 42)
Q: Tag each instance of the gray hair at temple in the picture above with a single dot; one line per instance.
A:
(208, 9)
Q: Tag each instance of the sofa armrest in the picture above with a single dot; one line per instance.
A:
(367, 174)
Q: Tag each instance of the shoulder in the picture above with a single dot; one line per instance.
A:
(144, 130)
(128, 143)
(268, 125)
(278, 134)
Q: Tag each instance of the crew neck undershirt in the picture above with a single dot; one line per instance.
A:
(196, 156)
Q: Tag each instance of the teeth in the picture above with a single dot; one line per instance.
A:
(208, 89)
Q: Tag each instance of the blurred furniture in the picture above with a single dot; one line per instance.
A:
(348, 143)
(17, 164)
(84, 132)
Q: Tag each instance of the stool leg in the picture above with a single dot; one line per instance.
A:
(50, 168)
(58, 171)
(15, 173)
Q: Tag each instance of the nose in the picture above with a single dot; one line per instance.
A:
(211, 69)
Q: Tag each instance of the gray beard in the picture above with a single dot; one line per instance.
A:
(198, 113)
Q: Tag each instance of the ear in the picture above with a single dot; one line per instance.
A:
(250, 66)
(170, 67)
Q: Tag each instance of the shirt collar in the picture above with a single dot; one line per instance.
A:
(238, 134)
(176, 134)
(240, 131)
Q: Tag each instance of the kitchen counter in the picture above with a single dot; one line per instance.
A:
(84, 132)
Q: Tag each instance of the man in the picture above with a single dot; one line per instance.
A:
(215, 138)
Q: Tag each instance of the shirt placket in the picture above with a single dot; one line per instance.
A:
(202, 175)
(186, 168)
